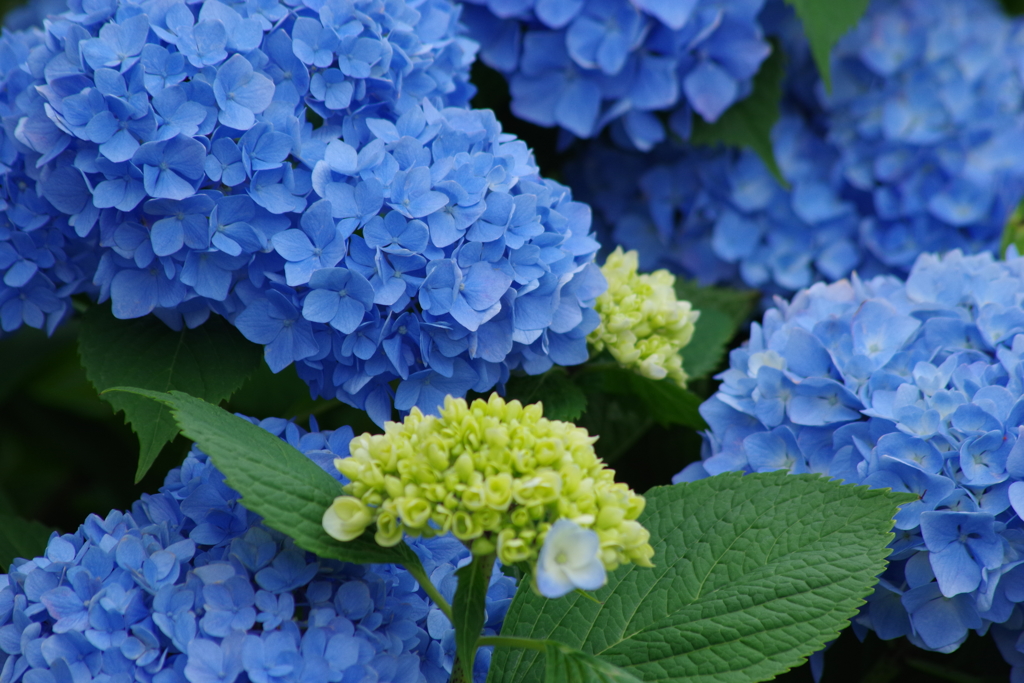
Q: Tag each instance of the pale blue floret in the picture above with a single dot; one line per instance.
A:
(569, 560)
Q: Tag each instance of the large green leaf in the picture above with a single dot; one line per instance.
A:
(752, 574)
(276, 481)
(21, 538)
(566, 665)
(722, 312)
(562, 399)
(748, 123)
(211, 362)
(825, 22)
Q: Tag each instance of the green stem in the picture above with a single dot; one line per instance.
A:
(430, 589)
(512, 641)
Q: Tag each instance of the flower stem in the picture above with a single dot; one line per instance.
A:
(512, 641)
(430, 589)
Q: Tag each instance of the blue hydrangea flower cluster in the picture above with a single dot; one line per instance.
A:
(916, 386)
(123, 129)
(912, 152)
(165, 148)
(926, 113)
(720, 216)
(190, 586)
(582, 64)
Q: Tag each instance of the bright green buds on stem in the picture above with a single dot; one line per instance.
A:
(496, 475)
(643, 324)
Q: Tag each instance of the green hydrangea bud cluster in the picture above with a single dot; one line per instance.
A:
(643, 324)
(497, 475)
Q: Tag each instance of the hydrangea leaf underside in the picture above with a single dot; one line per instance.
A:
(469, 609)
(748, 123)
(562, 398)
(722, 312)
(211, 361)
(752, 574)
(565, 665)
(276, 481)
(20, 538)
(825, 23)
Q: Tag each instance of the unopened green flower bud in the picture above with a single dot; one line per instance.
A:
(347, 518)
(643, 324)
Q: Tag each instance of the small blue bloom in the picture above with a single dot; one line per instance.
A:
(241, 93)
(339, 297)
(171, 167)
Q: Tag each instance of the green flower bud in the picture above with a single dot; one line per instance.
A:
(389, 529)
(347, 518)
(483, 546)
(498, 491)
(464, 527)
(643, 324)
(512, 549)
(414, 512)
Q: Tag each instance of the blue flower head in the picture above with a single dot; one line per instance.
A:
(917, 386)
(871, 186)
(190, 586)
(584, 64)
(136, 124)
(405, 237)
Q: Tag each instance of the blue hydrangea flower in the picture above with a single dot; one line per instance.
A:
(169, 144)
(924, 111)
(583, 64)
(916, 386)
(861, 196)
(190, 586)
(131, 122)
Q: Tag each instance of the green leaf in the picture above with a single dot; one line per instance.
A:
(748, 123)
(1013, 231)
(1013, 7)
(752, 574)
(469, 609)
(566, 665)
(276, 481)
(618, 420)
(21, 538)
(563, 400)
(663, 400)
(211, 362)
(824, 23)
(722, 312)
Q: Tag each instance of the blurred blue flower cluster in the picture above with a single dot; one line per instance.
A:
(583, 64)
(190, 586)
(720, 216)
(158, 154)
(917, 387)
(926, 114)
(914, 150)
